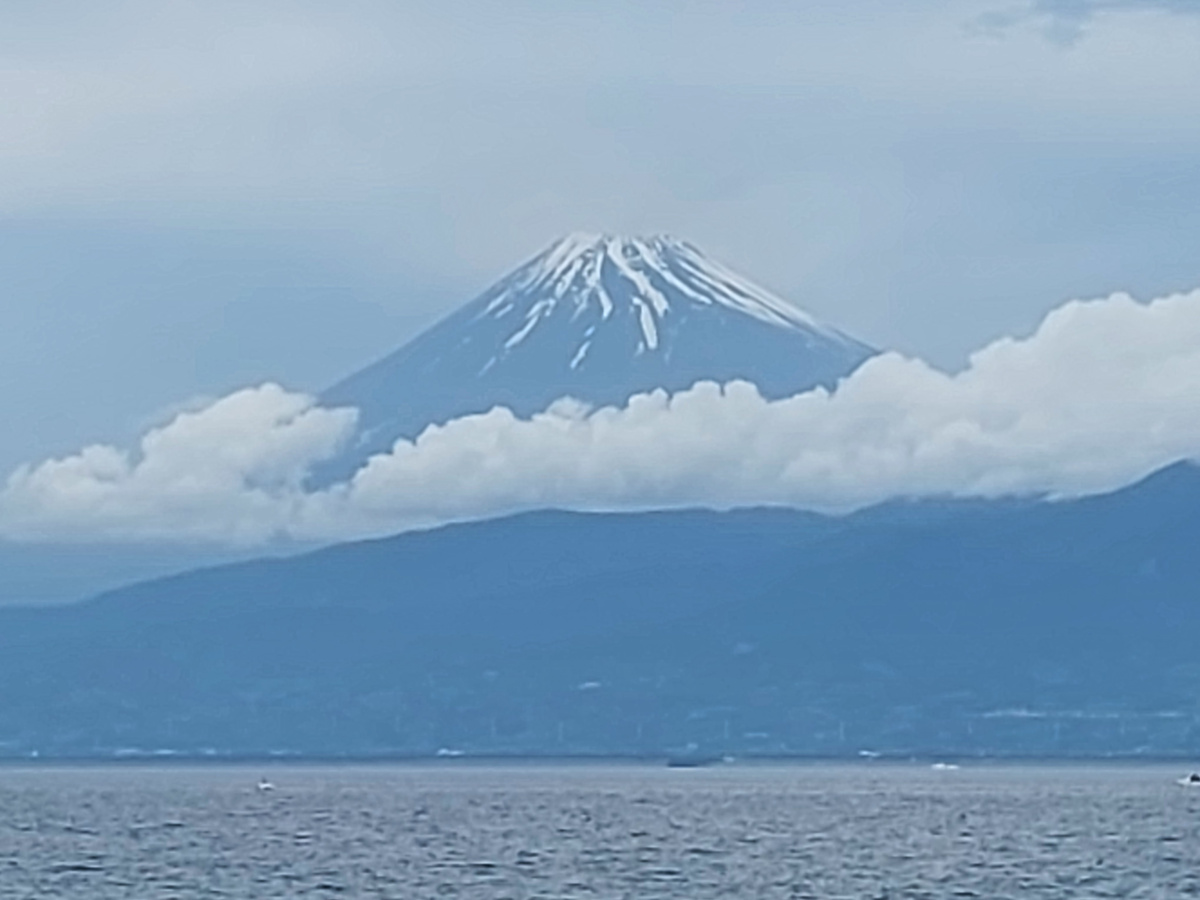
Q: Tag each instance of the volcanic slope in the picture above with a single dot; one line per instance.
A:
(597, 318)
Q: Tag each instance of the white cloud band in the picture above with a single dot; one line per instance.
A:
(230, 472)
(1103, 393)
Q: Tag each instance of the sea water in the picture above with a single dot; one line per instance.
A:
(467, 831)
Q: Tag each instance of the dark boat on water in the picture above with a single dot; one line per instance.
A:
(692, 762)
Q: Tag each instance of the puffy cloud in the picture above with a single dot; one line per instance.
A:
(1103, 393)
(230, 472)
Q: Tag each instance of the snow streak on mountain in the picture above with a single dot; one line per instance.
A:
(597, 318)
(630, 276)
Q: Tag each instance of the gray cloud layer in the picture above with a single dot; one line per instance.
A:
(467, 137)
(1065, 21)
(1103, 393)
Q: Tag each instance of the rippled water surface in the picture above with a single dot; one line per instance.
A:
(468, 832)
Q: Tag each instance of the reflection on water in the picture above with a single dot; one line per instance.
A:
(525, 832)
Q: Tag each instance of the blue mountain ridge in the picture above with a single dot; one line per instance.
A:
(1014, 628)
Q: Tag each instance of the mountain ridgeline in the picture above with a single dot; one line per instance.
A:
(966, 628)
(597, 318)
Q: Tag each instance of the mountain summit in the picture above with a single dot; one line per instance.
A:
(597, 318)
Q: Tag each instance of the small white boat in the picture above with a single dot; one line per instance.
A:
(1191, 780)
(263, 785)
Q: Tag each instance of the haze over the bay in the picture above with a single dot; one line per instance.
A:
(198, 197)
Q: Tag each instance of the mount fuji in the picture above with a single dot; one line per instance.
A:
(597, 318)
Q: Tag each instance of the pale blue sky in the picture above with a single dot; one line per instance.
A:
(198, 196)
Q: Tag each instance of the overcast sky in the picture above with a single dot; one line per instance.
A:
(196, 197)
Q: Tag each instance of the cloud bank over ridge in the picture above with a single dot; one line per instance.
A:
(1101, 394)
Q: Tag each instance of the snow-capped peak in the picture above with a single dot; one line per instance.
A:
(658, 276)
(599, 318)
